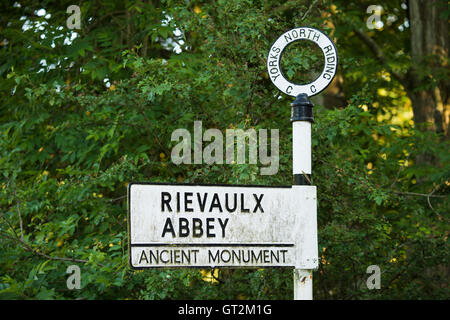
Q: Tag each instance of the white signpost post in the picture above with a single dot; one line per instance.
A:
(302, 118)
(222, 226)
(219, 226)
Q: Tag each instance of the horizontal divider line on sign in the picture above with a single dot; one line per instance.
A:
(212, 244)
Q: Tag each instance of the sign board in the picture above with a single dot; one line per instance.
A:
(183, 225)
(329, 54)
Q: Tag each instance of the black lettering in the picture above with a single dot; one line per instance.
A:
(168, 227)
(214, 258)
(248, 256)
(294, 34)
(229, 256)
(176, 256)
(328, 48)
(183, 228)
(329, 69)
(143, 256)
(316, 36)
(197, 230)
(275, 49)
(256, 258)
(242, 204)
(289, 89)
(223, 225)
(200, 203)
(210, 226)
(186, 256)
(266, 256)
(236, 257)
(187, 201)
(284, 253)
(227, 203)
(165, 200)
(275, 257)
(161, 258)
(302, 33)
(287, 37)
(154, 256)
(258, 202)
(215, 203)
(195, 255)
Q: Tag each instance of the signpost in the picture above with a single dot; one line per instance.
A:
(302, 118)
(306, 34)
(182, 225)
(222, 226)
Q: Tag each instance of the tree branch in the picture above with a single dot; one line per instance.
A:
(27, 247)
(420, 194)
(24, 244)
(380, 56)
(150, 128)
(400, 170)
(293, 5)
(9, 224)
(285, 6)
(100, 19)
(309, 9)
(20, 215)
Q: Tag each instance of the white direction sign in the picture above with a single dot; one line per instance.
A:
(329, 54)
(222, 226)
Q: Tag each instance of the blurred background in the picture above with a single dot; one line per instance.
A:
(91, 91)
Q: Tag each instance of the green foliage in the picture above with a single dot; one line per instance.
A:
(70, 144)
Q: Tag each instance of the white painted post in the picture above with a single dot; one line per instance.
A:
(301, 118)
(301, 148)
(303, 284)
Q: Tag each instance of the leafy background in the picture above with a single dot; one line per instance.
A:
(84, 112)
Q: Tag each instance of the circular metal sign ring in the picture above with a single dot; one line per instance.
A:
(330, 66)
